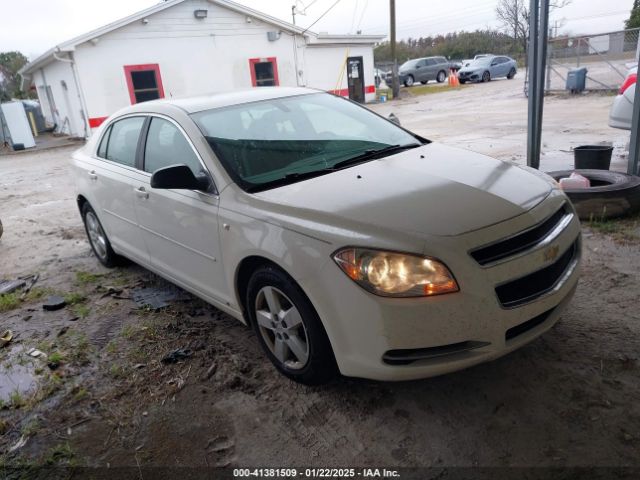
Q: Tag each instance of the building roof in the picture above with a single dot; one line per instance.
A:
(314, 38)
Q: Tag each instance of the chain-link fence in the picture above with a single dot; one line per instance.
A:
(606, 56)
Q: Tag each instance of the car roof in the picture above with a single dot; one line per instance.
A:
(219, 100)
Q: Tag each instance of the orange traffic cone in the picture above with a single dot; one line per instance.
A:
(450, 79)
(453, 79)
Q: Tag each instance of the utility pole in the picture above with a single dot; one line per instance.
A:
(293, 13)
(395, 87)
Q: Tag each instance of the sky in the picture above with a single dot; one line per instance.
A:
(34, 26)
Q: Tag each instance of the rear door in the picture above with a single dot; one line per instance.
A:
(180, 227)
(110, 177)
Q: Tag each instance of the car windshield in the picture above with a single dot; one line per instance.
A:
(481, 62)
(274, 142)
(409, 64)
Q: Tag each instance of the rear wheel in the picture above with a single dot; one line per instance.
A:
(442, 76)
(408, 82)
(98, 238)
(512, 73)
(462, 81)
(288, 328)
(486, 77)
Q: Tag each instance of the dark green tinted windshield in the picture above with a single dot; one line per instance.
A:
(263, 143)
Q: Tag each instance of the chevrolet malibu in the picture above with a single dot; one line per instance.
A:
(349, 244)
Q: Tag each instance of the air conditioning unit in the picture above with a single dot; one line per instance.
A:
(273, 36)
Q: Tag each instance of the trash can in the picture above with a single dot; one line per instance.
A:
(595, 157)
(576, 79)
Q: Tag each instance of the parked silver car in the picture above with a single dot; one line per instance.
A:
(485, 69)
(422, 70)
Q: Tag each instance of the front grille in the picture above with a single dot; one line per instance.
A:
(520, 242)
(536, 284)
(518, 330)
(407, 356)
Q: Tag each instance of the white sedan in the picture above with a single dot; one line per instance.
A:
(348, 243)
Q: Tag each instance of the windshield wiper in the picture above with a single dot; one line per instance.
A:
(372, 154)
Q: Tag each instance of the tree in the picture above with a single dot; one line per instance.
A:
(514, 16)
(634, 18)
(10, 63)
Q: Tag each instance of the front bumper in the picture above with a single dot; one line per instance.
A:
(402, 339)
(621, 113)
(469, 76)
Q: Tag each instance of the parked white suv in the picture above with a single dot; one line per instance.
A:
(348, 243)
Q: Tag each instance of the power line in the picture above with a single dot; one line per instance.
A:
(321, 16)
(364, 9)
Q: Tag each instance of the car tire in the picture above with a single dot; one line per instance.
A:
(613, 195)
(442, 76)
(296, 341)
(486, 77)
(511, 74)
(408, 82)
(98, 238)
(462, 81)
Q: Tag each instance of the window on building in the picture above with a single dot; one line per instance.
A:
(123, 141)
(166, 145)
(264, 72)
(144, 82)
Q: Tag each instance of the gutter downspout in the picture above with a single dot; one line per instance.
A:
(76, 81)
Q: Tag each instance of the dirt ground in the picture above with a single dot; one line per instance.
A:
(103, 397)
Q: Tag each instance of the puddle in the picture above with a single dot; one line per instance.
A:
(16, 378)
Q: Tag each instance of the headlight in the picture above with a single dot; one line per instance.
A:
(393, 274)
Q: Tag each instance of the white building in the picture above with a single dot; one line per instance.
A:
(191, 47)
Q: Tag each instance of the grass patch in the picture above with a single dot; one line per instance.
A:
(31, 428)
(56, 357)
(85, 278)
(74, 298)
(623, 230)
(9, 301)
(61, 454)
(16, 399)
(81, 310)
(117, 372)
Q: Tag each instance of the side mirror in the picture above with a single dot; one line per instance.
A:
(179, 177)
(394, 119)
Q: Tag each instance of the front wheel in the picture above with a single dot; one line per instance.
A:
(486, 77)
(462, 81)
(408, 82)
(441, 76)
(511, 74)
(288, 328)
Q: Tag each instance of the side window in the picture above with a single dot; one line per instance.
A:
(431, 61)
(123, 141)
(166, 145)
(102, 149)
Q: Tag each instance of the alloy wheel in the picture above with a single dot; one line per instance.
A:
(409, 81)
(96, 235)
(281, 327)
(486, 77)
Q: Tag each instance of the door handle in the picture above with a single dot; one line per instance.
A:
(141, 192)
(92, 175)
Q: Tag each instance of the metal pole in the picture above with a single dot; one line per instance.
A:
(634, 143)
(543, 28)
(548, 57)
(532, 62)
(293, 14)
(395, 82)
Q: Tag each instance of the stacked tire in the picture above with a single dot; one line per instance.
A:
(611, 195)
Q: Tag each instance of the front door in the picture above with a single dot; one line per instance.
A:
(112, 177)
(355, 79)
(180, 227)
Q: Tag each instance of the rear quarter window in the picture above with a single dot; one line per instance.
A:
(123, 141)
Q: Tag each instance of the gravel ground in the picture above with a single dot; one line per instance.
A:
(568, 399)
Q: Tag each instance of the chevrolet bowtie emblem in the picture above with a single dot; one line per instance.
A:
(551, 253)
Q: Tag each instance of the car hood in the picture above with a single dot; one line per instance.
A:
(472, 68)
(433, 190)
